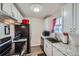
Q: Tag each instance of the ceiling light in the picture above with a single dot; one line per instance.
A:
(36, 8)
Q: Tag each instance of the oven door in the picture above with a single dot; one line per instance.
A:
(3, 40)
(5, 49)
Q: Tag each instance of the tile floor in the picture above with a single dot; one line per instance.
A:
(36, 51)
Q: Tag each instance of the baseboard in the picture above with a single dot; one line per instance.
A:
(36, 46)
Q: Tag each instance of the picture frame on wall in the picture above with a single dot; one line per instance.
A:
(7, 29)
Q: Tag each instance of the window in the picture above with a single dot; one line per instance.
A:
(58, 25)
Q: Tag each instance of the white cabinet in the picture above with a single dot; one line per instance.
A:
(47, 23)
(48, 48)
(56, 52)
(11, 10)
(71, 18)
(19, 17)
(0, 6)
(16, 14)
(14, 11)
(77, 27)
(7, 7)
(67, 18)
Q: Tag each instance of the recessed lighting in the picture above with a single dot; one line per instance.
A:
(36, 8)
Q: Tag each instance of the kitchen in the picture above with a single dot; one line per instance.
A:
(49, 27)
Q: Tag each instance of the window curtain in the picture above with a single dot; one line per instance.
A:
(53, 24)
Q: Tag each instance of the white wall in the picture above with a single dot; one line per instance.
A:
(47, 23)
(36, 27)
(58, 12)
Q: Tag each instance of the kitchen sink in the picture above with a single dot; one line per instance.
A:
(53, 40)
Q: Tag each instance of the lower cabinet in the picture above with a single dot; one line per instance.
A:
(56, 52)
(50, 50)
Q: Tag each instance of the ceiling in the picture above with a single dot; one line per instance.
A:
(47, 9)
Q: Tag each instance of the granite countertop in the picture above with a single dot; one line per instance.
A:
(66, 49)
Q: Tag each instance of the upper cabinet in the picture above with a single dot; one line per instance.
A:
(14, 11)
(0, 6)
(19, 16)
(77, 22)
(71, 18)
(67, 18)
(47, 23)
(7, 7)
(11, 10)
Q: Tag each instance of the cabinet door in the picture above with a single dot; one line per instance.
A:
(56, 52)
(45, 46)
(48, 48)
(47, 23)
(77, 28)
(0, 6)
(19, 17)
(74, 18)
(16, 14)
(67, 12)
(7, 7)
(14, 11)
